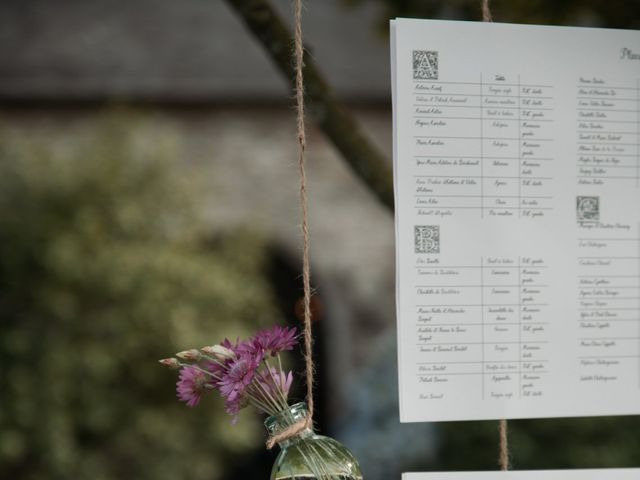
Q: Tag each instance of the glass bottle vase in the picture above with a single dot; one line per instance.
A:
(307, 455)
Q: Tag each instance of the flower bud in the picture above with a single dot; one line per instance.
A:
(170, 362)
(192, 355)
(220, 352)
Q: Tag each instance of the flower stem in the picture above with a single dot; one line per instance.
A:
(278, 386)
(266, 405)
(266, 395)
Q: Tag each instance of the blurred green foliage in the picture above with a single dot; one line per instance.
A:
(105, 267)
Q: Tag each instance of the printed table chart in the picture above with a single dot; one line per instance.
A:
(485, 325)
(517, 181)
(498, 162)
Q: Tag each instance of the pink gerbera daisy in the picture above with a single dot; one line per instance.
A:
(192, 384)
(239, 375)
(273, 381)
(277, 339)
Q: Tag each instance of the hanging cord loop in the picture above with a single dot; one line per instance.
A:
(307, 422)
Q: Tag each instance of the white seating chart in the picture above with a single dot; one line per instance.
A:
(517, 176)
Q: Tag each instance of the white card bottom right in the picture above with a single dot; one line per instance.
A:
(590, 474)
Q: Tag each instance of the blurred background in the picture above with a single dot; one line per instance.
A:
(149, 204)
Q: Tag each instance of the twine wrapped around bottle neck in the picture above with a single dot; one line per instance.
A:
(290, 432)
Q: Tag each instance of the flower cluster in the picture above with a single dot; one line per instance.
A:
(242, 372)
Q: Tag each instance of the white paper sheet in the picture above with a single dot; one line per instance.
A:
(517, 176)
(594, 474)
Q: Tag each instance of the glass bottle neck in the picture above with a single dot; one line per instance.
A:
(278, 423)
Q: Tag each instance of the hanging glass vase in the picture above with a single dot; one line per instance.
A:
(307, 455)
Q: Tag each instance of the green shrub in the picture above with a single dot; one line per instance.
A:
(105, 267)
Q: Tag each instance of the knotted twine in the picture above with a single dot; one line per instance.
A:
(503, 459)
(306, 422)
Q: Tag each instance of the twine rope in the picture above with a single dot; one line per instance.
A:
(306, 422)
(503, 458)
(486, 11)
(302, 144)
